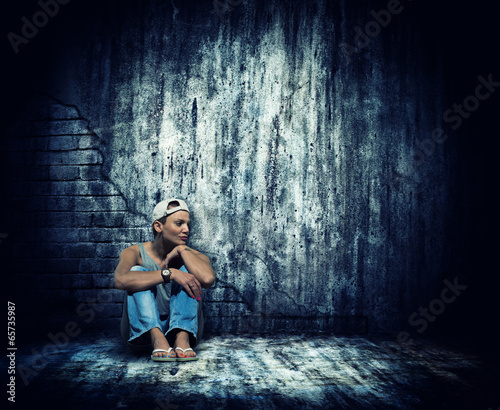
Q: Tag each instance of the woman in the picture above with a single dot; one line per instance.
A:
(164, 280)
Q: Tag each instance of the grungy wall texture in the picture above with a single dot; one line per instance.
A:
(300, 158)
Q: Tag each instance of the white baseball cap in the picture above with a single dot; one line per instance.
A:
(161, 208)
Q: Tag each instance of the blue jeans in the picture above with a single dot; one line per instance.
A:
(142, 311)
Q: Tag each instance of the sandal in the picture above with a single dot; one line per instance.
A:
(185, 359)
(163, 359)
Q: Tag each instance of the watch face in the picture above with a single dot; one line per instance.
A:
(166, 275)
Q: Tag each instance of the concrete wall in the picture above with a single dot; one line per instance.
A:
(300, 158)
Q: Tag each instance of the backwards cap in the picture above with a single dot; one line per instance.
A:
(161, 208)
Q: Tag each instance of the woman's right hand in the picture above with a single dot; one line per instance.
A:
(168, 259)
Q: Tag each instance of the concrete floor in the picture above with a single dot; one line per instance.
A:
(257, 372)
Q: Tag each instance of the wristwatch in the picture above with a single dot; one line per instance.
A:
(165, 274)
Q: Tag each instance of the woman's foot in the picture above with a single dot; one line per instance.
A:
(158, 341)
(182, 344)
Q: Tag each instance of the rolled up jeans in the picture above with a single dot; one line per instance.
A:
(142, 312)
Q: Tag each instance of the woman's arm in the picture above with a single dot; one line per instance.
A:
(196, 263)
(135, 281)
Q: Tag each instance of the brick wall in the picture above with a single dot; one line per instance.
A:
(67, 222)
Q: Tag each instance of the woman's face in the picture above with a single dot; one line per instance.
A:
(176, 228)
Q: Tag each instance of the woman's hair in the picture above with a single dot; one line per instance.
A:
(162, 220)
